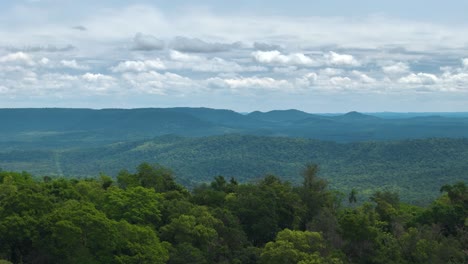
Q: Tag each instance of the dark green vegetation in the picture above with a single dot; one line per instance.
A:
(146, 217)
(414, 168)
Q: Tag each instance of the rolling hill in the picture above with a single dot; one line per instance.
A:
(414, 168)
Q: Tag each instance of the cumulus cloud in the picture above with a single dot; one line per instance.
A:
(153, 82)
(18, 57)
(94, 77)
(147, 42)
(465, 62)
(330, 71)
(277, 58)
(307, 80)
(251, 83)
(362, 77)
(419, 79)
(196, 45)
(139, 66)
(340, 81)
(334, 58)
(265, 46)
(98, 82)
(202, 64)
(397, 68)
(73, 64)
(44, 61)
(180, 56)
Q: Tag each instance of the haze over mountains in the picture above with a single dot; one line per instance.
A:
(82, 126)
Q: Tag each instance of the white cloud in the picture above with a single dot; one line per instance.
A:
(340, 81)
(334, 58)
(397, 68)
(276, 57)
(139, 66)
(156, 83)
(179, 56)
(419, 79)
(44, 61)
(72, 64)
(331, 71)
(254, 83)
(95, 77)
(203, 64)
(465, 62)
(362, 77)
(18, 57)
(199, 46)
(147, 42)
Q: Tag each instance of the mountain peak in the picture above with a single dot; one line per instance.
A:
(354, 115)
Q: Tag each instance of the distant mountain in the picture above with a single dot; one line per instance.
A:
(77, 127)
(355, 117)
(281, 115)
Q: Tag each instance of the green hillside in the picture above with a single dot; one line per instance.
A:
(413, 168)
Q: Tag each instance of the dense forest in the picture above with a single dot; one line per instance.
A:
(147, 217)
(414, 168)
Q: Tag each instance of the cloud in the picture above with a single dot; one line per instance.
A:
(80, 28)
(196, 45)
(340, 81)
(46, 48)
(72, 64)
(153, 82)
(252, 83)
(465, 62)
(419, 79)
(184, 57)
(277, 58)
(44, 61)
(265, 47)
(94, 77)
(336, 59)
(202, 64)
(139, 66)
(331, 71)
(4, 89)
(18, 57)
(362, 77)
(147, 42)
(98, 83)
(397, 68)
(307, 80)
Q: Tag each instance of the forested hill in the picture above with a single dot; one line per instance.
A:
(85, 126)
(414, 168)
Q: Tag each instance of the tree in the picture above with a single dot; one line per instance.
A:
(295, 247)
(352, 198)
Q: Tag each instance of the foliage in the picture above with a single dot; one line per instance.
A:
(148, 218)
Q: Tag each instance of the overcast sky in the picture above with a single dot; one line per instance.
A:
(316, 56)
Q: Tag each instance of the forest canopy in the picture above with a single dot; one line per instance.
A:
(147, 217)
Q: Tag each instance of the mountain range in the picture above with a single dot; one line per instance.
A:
(78, 127)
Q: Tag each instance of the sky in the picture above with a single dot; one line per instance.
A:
(315, 56)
